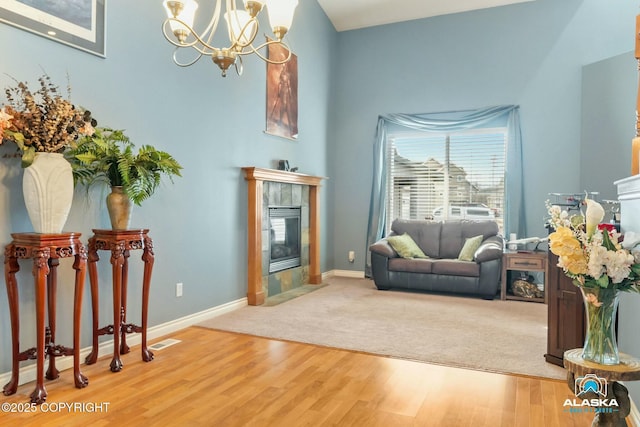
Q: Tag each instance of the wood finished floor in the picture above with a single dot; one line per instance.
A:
(214, 378)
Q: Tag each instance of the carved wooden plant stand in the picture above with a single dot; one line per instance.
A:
(120, 243)
(45, 250)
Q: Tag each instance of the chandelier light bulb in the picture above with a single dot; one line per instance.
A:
(281, 15)
(184, 11)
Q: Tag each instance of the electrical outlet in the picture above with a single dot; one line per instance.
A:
(178, 289)
(352, 256)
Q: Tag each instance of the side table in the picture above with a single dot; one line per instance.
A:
(627, 370)
(120, 243)
(523, 261)
(45, 250)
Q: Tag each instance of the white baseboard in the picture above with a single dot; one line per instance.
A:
(28, 373)
(344, 273)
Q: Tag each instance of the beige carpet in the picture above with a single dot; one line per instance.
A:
(496, 336)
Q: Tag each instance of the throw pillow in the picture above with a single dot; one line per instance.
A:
(405, 246)
(470, 247)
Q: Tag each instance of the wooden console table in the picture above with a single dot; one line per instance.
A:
(627, 370)
(120, 243)
(45, 251)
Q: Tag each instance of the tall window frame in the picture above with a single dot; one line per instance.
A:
(497, 115)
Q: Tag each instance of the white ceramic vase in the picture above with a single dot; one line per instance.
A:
(47, 186)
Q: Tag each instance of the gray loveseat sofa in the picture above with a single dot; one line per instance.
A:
(441, 271)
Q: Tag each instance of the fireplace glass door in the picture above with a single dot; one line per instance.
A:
(285, 238)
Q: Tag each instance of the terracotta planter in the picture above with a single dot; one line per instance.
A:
(119, 207)
(47, 186)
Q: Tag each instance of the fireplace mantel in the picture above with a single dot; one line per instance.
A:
(256, 178)
(260, 174)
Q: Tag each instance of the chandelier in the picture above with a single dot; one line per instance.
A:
(242, 28)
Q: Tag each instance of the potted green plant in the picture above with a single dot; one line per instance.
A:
(108, 156)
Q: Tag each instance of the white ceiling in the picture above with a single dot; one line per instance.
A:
(352, 14)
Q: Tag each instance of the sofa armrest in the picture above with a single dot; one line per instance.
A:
(383, 248)
(490, 249)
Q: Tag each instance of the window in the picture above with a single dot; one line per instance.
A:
(459, 175)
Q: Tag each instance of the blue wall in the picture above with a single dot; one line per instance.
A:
(529, 54)
(213, 126)
(608, 117)
(608, 122)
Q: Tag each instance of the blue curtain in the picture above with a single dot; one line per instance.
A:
(514, 212)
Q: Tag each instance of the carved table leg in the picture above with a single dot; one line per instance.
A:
(52, 285)
(79, 265)
(93, 281)
(148, 258)
(10, 268)
(124, 348)
(117, 261)
(40, 272)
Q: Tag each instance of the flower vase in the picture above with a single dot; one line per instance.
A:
(119, 207)
(601, 306)
(47, 186)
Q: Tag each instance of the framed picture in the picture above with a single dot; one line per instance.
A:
(282, 94)
(77, 23)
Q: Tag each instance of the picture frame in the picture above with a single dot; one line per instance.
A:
(80, 24)
(282, 94)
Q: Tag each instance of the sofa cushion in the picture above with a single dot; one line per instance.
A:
(453, 267)
(405, 246)
(383, 248)
(425, 233)
(416, 265)
(471, 245)
(454, 234)
(490, 249)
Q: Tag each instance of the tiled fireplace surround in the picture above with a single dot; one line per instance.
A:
(269, 187)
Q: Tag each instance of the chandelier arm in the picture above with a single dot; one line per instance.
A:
(186, 64)
(210, 30)
(236, 39)
(256, 50)
(194, 44)
(270, 42)
(265, 59)
(240, 67)
(213, 24)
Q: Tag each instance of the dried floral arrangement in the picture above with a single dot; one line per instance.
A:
(42, 121)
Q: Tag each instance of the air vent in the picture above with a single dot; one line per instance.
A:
(161, 345)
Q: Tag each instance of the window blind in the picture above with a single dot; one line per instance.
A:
(447, 176)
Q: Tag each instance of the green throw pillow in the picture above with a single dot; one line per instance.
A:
(470, 247)
(405, 246)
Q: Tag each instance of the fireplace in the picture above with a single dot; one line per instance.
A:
(275, 188)
(285, 238)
